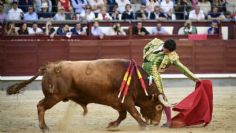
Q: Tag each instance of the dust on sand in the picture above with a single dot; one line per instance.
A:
(19, 114)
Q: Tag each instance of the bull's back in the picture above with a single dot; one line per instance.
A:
(98, 75)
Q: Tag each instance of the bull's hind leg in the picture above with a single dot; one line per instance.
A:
(122, 116)
(42, 106)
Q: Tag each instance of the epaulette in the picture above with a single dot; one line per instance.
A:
(156, 41)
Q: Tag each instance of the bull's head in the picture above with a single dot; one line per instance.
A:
(152, 110)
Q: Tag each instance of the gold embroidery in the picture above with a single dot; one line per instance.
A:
(157, 42)
(153, 45)
(173, 56)
(163, 64)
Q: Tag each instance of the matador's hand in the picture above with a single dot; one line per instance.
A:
(197, 80)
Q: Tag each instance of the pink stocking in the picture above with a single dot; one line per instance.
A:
(168, 115)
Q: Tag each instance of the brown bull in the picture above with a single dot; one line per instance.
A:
(95, 82)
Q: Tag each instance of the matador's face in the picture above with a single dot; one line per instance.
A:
(166, 51)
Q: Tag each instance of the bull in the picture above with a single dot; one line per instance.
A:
(98, 82)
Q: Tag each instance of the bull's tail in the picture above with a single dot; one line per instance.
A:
(18, 87)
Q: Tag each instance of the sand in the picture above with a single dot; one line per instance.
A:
(18, 114)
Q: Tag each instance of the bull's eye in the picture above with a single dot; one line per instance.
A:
(159, 107)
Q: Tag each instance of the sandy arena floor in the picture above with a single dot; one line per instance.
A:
(19, 114)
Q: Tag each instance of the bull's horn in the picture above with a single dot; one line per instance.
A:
(161, 99)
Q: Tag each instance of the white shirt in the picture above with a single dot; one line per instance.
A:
(194, 16)
(89, 17)
(161, 31)
(107, 17)
(121, 5)
(59, 17)
(206, 7)
(150, 6)
(96, 31)
(14, 14)
(94, 3)
(32, 32)
(167, 6)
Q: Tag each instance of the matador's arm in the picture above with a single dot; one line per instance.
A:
(183, 69)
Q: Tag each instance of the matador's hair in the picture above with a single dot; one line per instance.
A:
(170, 45)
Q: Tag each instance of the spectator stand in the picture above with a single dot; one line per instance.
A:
(173, 27)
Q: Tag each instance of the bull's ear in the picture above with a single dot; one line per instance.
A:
(153, 97)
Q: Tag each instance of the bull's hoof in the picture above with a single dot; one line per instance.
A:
(44, 129)
(113, 124)
(143, 126)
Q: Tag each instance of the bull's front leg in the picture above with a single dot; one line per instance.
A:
(137, 116)
(122, 116)
(42, 106)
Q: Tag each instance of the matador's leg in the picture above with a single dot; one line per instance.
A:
(158, 81)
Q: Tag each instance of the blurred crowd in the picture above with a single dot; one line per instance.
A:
(91, 10)
(31, 11)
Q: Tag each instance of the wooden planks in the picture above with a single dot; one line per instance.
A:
(25, 57)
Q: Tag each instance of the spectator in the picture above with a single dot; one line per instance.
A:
(159, 30)
(79, 5)
(40, 4)
(151, 4)
(65, 4)
(171, 15)
(30, 15)
(15, 13)
(127, 14)
(214, 29)
(103, 15)
(96, 30)
(196, 14)
(54, 6)
(167, 5)
(11, 31)
(96, 5)
(228, 16)
(122, 5)
(23, 29)
(183, 8)
(50, 30)
(116, 30)
(2, 14)
(221, 4)
(157, 14)
(189, 28)
(139, 30)
(44, 14)
(111, 4)
(142, 14)
(205, 6)
(115, 14)
(63, 31)
(1, 2)
(24, 4)
(35, 30)
(78, 30)
(88, 14)
(215, 14)
(7, 4)
(60, 16)
(234, 16)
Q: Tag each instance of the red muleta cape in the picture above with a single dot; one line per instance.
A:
(196, 108)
